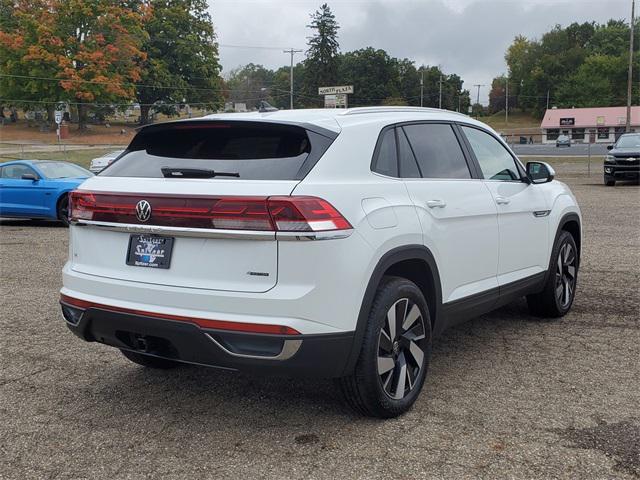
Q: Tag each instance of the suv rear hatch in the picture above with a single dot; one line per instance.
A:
(193, 204)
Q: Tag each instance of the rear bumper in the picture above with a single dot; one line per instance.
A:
(319, 355)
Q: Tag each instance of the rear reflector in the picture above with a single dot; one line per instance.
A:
(201, 322)
(278, 213)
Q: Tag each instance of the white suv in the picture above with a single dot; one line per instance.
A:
(333, 243)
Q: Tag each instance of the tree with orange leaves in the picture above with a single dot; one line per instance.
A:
(84, 52)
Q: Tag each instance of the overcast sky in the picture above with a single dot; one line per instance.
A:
(467, 37)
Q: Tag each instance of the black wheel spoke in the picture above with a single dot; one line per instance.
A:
(386, 343)
(400, 377)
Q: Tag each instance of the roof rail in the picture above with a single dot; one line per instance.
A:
(391, 109)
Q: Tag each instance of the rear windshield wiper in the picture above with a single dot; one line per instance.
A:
(169, 172)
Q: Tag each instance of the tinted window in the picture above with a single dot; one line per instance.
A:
(255, 152)
(62, 170)
(16, 171)
(408, 165)
(628, 141)
(437, 151)
(495, 161)
(386, 159)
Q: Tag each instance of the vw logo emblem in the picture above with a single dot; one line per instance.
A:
(143, 210)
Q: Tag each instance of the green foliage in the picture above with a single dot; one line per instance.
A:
(182, 53)
(582, 65)
(321, 63)
(250, 84)
(80, 51)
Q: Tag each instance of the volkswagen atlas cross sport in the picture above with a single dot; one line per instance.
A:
(333, 243)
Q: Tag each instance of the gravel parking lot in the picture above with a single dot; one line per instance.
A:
(508, 396)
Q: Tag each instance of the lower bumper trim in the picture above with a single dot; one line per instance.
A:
(318, 355)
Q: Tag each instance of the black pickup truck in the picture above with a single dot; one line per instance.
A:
(623, 159)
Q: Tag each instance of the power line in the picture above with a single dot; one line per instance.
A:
(131, 84)
(253, 47)
(129, 104)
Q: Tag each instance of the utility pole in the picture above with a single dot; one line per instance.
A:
(630, 73)
(421, 86)
(506, 100)
(292, 52)
(547, 99)
(440, 96)
(478, 85)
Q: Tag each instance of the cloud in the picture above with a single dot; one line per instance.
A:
(467, 37)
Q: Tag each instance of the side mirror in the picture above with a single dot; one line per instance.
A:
(30, 176)
(540, 172)
(609, 147)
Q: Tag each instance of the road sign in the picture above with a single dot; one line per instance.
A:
(335, 90)
(339, 100)
(58, 117)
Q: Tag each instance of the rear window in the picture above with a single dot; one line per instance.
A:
(254, 151)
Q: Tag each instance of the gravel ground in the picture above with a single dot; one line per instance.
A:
(508, 396)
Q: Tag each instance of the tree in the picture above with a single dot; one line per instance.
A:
(90, 48)
(181, 64)
(280, 88)
(321, 63)
(407, 82)
(596, 82)
(497, 95)
(372, 73)
(25, 81)
(578, 65)
(250, 84)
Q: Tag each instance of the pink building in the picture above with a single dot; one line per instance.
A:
(595, 125)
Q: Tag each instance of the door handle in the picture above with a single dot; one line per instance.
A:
(436, 203)
(502, 201)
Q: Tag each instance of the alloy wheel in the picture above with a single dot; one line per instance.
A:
(401, 348)
(565, 275)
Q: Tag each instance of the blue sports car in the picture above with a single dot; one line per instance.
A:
(38, 188)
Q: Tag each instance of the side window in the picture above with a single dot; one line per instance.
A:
(437, 151)
(408, 166)
(15, 171)
(495, 161)
(386, 162)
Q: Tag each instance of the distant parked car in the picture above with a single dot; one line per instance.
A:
(104, 161)
(563, 141)
(623, 159)
(38, 188)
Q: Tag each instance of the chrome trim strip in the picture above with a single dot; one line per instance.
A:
(289, 349)
(177, 231)
(541, 213)
(327, 235)
(213, 233)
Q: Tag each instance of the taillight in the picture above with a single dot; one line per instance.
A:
(305, 214)
(277, 214)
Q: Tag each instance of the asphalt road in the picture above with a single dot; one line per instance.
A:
(508, 396)
(576, 150)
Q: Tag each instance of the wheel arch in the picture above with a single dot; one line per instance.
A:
(414, 262)
(61, 194)
(570, 222)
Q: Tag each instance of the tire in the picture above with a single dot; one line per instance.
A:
(62, 210)
(402, 350)
(556, 298)
(150, 361)
(609, 183)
